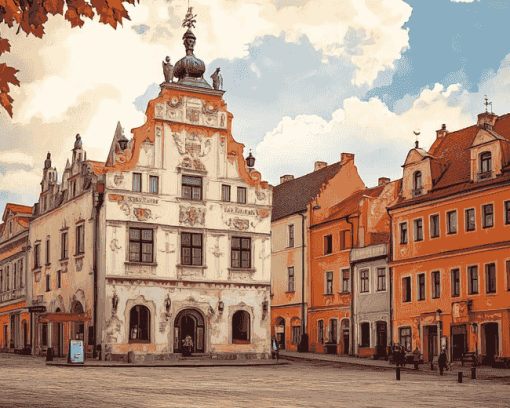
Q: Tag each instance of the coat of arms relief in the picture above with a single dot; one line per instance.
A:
(193, 147)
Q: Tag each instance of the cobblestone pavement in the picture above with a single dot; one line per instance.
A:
(28, 382)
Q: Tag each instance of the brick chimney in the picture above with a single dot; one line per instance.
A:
(345, 157)
(319, 165)
(442, 132)
(383, 181)
(285, 178)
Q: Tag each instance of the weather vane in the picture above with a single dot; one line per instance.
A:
(487, 103)
(189, 19)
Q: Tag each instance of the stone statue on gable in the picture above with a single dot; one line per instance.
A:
(217, 79)
(168, 70)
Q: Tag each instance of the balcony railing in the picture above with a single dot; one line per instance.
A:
(417, 192)
(486, 175)
(13, 294)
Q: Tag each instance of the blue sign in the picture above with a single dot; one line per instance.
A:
(76, 352)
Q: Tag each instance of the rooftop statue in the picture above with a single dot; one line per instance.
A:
(168, 70)
(217, 79)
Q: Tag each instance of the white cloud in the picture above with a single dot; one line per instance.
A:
(379, 138)
(21, 181)
(15, 157)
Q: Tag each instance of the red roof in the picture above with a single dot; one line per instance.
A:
(293, 196)
(99, 167)
(17, 209)
(454, 149)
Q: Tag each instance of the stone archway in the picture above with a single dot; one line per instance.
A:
(189, 322)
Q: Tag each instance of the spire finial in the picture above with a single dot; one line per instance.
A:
(417, 133)
(487, 103)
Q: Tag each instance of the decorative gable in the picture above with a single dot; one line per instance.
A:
(487, 154)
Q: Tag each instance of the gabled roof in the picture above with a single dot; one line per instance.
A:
(99, 167)
(16, 209)
(293, 196)
(454, 150)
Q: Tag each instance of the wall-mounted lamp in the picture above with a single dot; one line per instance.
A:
(168, 303)
(221, 306)
(115, 302)
(316, 207)
(250, 160)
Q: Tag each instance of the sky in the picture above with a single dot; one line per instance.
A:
(305, 80)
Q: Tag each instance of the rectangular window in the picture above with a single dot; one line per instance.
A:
(291, 235)
(487, 216)
(436, 285)
(406, 289)
(37, 255)
(296, 334)
(381, 279)
(418, 230)
(329, 283)
(507, 275)
(21, 282)
(421, 286)
(364, 281)
(191, 249)
(241, 195)
(455, 282)
(241, 252)
(473, 280)
(59, 279)
(137, 182)
(451, 222)
(490, 277)
(7, 280)
(434, 226)
(470, 220)
(328, 244)
(345, 281)
(64, 254)
(320, 331)
(15, 276)
(290, 279)
(405, 338)
(333, 329)
(48, 252)
(141, 245)
(343, 239)
(507, 212)
(225, 193)
(192, 188)
(48, 283)
(80, 239)
(154, 184)
(403, 233)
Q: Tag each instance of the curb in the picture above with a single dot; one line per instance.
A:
(127, 365)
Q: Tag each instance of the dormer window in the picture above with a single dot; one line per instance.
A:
(485, 166)
(417, 184)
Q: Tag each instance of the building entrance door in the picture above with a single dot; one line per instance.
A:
(25, 334)
(491, 341)
(382, 336)
(431, 342)
(459, 341)
(189, 322)
(280, 332)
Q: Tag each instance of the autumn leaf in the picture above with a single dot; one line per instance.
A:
(5, 101)
(7, 75)
(4, 45)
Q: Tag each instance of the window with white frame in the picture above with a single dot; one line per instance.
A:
(436, 285)
(470, 219)
(406, 289)
(490, 277)
(403, 233)
(434, 226)
(329, 283)
(154, 184)
(487, 216)
(290, 279)
(455, 275)
(328, 244)
(345, 281)
(451, 222)
(418, 229)
(405, 338)
(381, 279)
(507, 212)
(241, 252)
(364, 281)
(473, 279)
(421, 286)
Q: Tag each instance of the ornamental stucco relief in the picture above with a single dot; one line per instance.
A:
(192, 215)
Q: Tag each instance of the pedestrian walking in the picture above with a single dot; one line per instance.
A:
(403, 356)
(416, 358)
(442, 361)
(396, 354)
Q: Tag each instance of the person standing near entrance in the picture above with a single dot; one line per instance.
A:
(442, 361)
(416, 357)
(187, 346)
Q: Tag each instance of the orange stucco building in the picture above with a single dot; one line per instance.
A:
(14, 315)
(450, 246)
(293, 202)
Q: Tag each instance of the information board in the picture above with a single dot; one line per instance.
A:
(76, 355)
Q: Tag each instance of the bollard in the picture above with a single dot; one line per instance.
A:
(460, 377)
(473, 373)
(398, 373)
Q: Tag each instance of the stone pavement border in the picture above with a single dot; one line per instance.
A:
(175, 364)
(482, 373)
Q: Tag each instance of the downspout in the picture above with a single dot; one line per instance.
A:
(390, 273)
(351, 272)
(97, 202)
(304, 343)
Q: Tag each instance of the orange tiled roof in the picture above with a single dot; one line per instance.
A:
(454, 150)
(99, 167)
(16, 208)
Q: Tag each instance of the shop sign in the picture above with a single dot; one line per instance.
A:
(280, 329)
(37, 309)
(76, 354)
(369, 252)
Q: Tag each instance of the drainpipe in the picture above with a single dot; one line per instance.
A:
(351, 272)
(97, 200)
(304, 336)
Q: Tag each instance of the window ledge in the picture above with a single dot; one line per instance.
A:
(139, 341)
(290, 291)
(189, 200)
(47, 264)
(37, 269)
(241, 270)
(191, 266)
(345, 293)
(80, 255)
(63, 259)
(141, 263)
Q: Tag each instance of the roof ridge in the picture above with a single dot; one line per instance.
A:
(307, 174)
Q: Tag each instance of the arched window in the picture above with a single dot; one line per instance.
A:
(485, 162)
(79, 327)
(417, 180)
(139, 324)
(241, 327)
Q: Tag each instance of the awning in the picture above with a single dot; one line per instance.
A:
(63, 317)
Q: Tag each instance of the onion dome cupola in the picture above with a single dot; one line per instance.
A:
(190, 70)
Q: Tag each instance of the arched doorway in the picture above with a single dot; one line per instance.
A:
(79, 327)
(189, 322)
(382, 336)
(280, 332)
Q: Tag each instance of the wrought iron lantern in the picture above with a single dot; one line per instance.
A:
(250, 160)
(168, 303)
